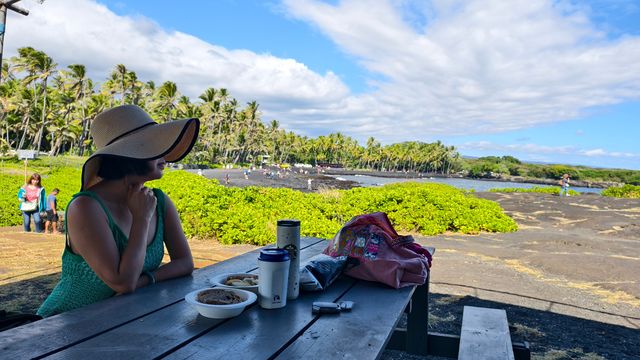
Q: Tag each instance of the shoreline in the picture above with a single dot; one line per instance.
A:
(287, 179)
(516, 179)
(326, 180)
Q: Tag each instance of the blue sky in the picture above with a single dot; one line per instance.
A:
(552, 81)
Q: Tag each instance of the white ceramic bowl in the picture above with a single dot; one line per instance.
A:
(219, 280)
(221, 311)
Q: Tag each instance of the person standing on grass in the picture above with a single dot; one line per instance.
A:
(116, 227)
(52, 212)
(32, 202)
(564, 183)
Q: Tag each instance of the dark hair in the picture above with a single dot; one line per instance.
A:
(55, 190)
(37, 177)
(117, 167)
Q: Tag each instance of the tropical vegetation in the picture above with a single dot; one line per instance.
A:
(498, 166)
(626, 191)
(50, 109)
(248, 215)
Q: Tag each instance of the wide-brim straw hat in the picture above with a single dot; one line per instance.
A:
(128, 131)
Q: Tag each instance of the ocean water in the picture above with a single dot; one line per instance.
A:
(466, 184)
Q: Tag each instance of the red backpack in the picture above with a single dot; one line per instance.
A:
(377, 253)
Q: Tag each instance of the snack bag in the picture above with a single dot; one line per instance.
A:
(320, 271)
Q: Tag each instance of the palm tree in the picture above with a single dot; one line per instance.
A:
(79, 85)
(167, 96)
(117, 81)
(185, 109)
(25, 105)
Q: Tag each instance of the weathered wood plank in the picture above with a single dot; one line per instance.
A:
(259, 333)
(362, 333)
(485, 334)
(58, 332)
(153, 335)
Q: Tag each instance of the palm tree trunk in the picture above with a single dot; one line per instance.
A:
(24, 132)
(44, 116)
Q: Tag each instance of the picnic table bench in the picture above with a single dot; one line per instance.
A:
(156, 322)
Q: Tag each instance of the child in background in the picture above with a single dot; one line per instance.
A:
(52, 212)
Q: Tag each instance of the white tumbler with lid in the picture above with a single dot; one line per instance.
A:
(273, 275)
(288, 238)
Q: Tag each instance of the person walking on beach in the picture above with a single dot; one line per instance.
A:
(32, 202)
(564, 183)
(52, 212)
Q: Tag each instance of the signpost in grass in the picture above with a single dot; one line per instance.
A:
(26, 155)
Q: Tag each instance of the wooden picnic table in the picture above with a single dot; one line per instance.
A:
(156, 322)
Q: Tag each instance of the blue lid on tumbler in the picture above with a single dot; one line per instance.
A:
(273, 255)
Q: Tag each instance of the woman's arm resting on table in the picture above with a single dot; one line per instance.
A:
(181, 260)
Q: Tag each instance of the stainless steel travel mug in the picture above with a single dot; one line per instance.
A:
(273, 274)
(288, 238)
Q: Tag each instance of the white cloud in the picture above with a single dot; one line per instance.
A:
(538, 151)
(100, 39)
(441, 67)
(478, 66)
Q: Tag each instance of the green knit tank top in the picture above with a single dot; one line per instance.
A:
(79, 285)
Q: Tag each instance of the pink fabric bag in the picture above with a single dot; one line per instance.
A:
(379, 252)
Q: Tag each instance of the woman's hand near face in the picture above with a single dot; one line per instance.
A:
(141, 202)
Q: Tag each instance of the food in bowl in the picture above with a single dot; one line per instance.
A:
(242, 280)
(219, 303)
(218, 297)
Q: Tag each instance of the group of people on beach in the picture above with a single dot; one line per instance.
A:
(35, 204)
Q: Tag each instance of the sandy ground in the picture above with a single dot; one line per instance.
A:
(568, 278)
(30, 264)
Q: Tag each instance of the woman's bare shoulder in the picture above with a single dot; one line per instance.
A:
(85, 207)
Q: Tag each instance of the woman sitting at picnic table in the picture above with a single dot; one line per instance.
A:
(117, 227)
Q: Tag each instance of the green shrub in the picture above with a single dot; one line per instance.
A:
(10, 214)
(535, 189)
(249, 215)
(626, 191)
